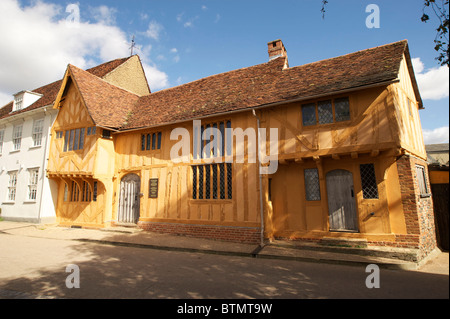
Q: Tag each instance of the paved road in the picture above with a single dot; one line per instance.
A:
(36, 267)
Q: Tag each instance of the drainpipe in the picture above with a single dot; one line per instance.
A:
(43, 165)
(260, 183)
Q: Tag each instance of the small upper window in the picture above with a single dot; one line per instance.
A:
(106, 133)
(422, 181)
(309, 114)
(342, 109)
(91, 130)
(18, 103)
(213, 140)
(151, 142)
(326, 112)
(74, 139)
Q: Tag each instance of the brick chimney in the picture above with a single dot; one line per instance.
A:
(276, 49)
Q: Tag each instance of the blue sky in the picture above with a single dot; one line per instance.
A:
(184, 40)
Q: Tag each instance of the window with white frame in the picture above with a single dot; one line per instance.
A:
(17, 137)
(38, 127)
(18, 103)
(32, 183)
(2, 134)
(12, 186)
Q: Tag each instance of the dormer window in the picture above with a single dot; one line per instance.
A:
(18, 103)
(24, 99)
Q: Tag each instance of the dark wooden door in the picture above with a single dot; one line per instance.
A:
(129, 199)
(440, 203)
(341, 201)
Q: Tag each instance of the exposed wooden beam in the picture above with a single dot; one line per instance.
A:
(375, 153)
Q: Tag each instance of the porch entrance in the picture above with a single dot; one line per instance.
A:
(341, 201)
(130, 187)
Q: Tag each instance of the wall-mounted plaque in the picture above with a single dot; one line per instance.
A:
(153, 188)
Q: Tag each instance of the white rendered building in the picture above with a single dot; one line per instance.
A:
(26, 194)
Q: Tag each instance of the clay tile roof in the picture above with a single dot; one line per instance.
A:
(50, 91)
(362, 68)
(108, 105)
(267, 83)
(215, 94)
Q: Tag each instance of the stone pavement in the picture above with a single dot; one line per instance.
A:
(437, 262)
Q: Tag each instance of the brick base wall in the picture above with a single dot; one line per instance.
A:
(250, 235)
(418, 210)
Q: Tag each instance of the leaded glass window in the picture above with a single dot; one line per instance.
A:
(325, 110)
(368, 181)
(309, 114)
(342, 109)
(312, 184)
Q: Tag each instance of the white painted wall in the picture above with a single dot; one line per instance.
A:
(22, 209)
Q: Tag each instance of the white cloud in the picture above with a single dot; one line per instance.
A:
(204, 8)
(156, 79)
(154, 29)
(173, 50)
(39, 44)
(436, 136)
(433, 83)
(188, 23)
(104, 15)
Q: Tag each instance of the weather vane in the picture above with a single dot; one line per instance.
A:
(133, 44)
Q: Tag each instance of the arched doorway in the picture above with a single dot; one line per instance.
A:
(130, 187)
(341, 201)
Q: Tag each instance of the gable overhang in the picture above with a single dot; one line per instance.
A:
(64, 86)
(69, 79)
(413, 77)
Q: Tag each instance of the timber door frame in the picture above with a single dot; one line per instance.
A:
(128, 211)
(347, 222)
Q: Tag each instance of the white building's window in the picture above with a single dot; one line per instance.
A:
(38, 127)
(32, 183)
(18, 103)
(12, 186)
(17, 137)
(2, 133)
